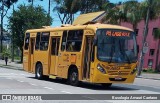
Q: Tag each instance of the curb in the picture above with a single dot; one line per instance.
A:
(147, 78)
(12, 67)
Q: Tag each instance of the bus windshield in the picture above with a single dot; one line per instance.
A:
(117, 46)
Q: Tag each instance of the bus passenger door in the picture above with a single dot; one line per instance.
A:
(32, 41)
(54, 54)
(26, 53)
(87, 57)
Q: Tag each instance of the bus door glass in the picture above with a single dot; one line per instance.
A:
(88, 56)
(26, 59)
(54, 54)
(32, 42)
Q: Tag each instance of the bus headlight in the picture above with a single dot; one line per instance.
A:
(134, 70)
(101, 69)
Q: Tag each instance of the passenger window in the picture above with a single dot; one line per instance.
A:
(63, 45)
(27, 41)
(37, 41)
(74, 40)
(44, 41)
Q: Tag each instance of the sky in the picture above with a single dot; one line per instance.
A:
(44, 4)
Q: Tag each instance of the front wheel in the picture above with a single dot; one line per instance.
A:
(73, 78)
(39, 71)
(106, 85)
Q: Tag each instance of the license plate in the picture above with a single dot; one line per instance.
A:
(118, 78)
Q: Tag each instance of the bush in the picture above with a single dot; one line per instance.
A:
(5, 53)
(1, 56)
(149, 70)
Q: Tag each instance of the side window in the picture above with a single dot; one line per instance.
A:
(37, 41)
(63, 45)
(44, 41)
(74, 40)
(27, 41)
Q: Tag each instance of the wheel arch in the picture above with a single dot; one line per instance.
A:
(72, 67)
(38, 62)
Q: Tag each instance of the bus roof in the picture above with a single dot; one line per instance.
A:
(75, 27)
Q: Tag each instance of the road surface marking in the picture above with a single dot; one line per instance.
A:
(33, 84)
(24, 74)
(10, 78)
(48, 88)
(66, 92)
(20, 81)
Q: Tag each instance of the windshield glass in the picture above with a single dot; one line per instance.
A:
(116, 46)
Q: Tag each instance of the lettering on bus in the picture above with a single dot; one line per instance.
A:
(117, 33)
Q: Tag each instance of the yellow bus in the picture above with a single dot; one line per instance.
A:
(95, 53)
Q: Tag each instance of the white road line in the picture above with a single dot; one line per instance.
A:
(48, 88)
(9, 78)
(32, 84)
(24, 74)
(66, 92)
(20, 81)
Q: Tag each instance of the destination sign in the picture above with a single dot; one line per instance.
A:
(118, 33)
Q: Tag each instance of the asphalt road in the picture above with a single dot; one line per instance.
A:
(21, 82)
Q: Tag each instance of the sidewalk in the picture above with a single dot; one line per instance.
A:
(18, 66)
(150, 76)
(11, 65)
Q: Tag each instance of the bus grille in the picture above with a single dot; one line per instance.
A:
(118, 72)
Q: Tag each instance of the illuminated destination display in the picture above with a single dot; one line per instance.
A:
(118, 33)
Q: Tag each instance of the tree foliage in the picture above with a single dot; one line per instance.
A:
(66, 10)
(93, 5)
(26, 17)
(133, 12)
(3, 10)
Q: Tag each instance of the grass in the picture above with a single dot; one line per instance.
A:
(150, 70)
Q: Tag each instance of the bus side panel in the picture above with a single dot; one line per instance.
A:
(63, 64)
(42, 57)
(26, 62)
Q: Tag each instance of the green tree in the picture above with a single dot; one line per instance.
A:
(5, 5)
(150, 10)
(116, 15)
(66, 10)
(88, 6)
(26, 17)
(133, 12)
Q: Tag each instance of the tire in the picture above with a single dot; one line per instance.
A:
(73, 78)
(106, 85)
(39, 71)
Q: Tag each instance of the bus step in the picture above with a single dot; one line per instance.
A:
(52, 76)
(85, 80)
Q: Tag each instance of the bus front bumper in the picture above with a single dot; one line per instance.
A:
(104, 78)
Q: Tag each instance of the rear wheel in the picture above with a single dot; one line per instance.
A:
(106, 85)
(39, 71)
(73, 77)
